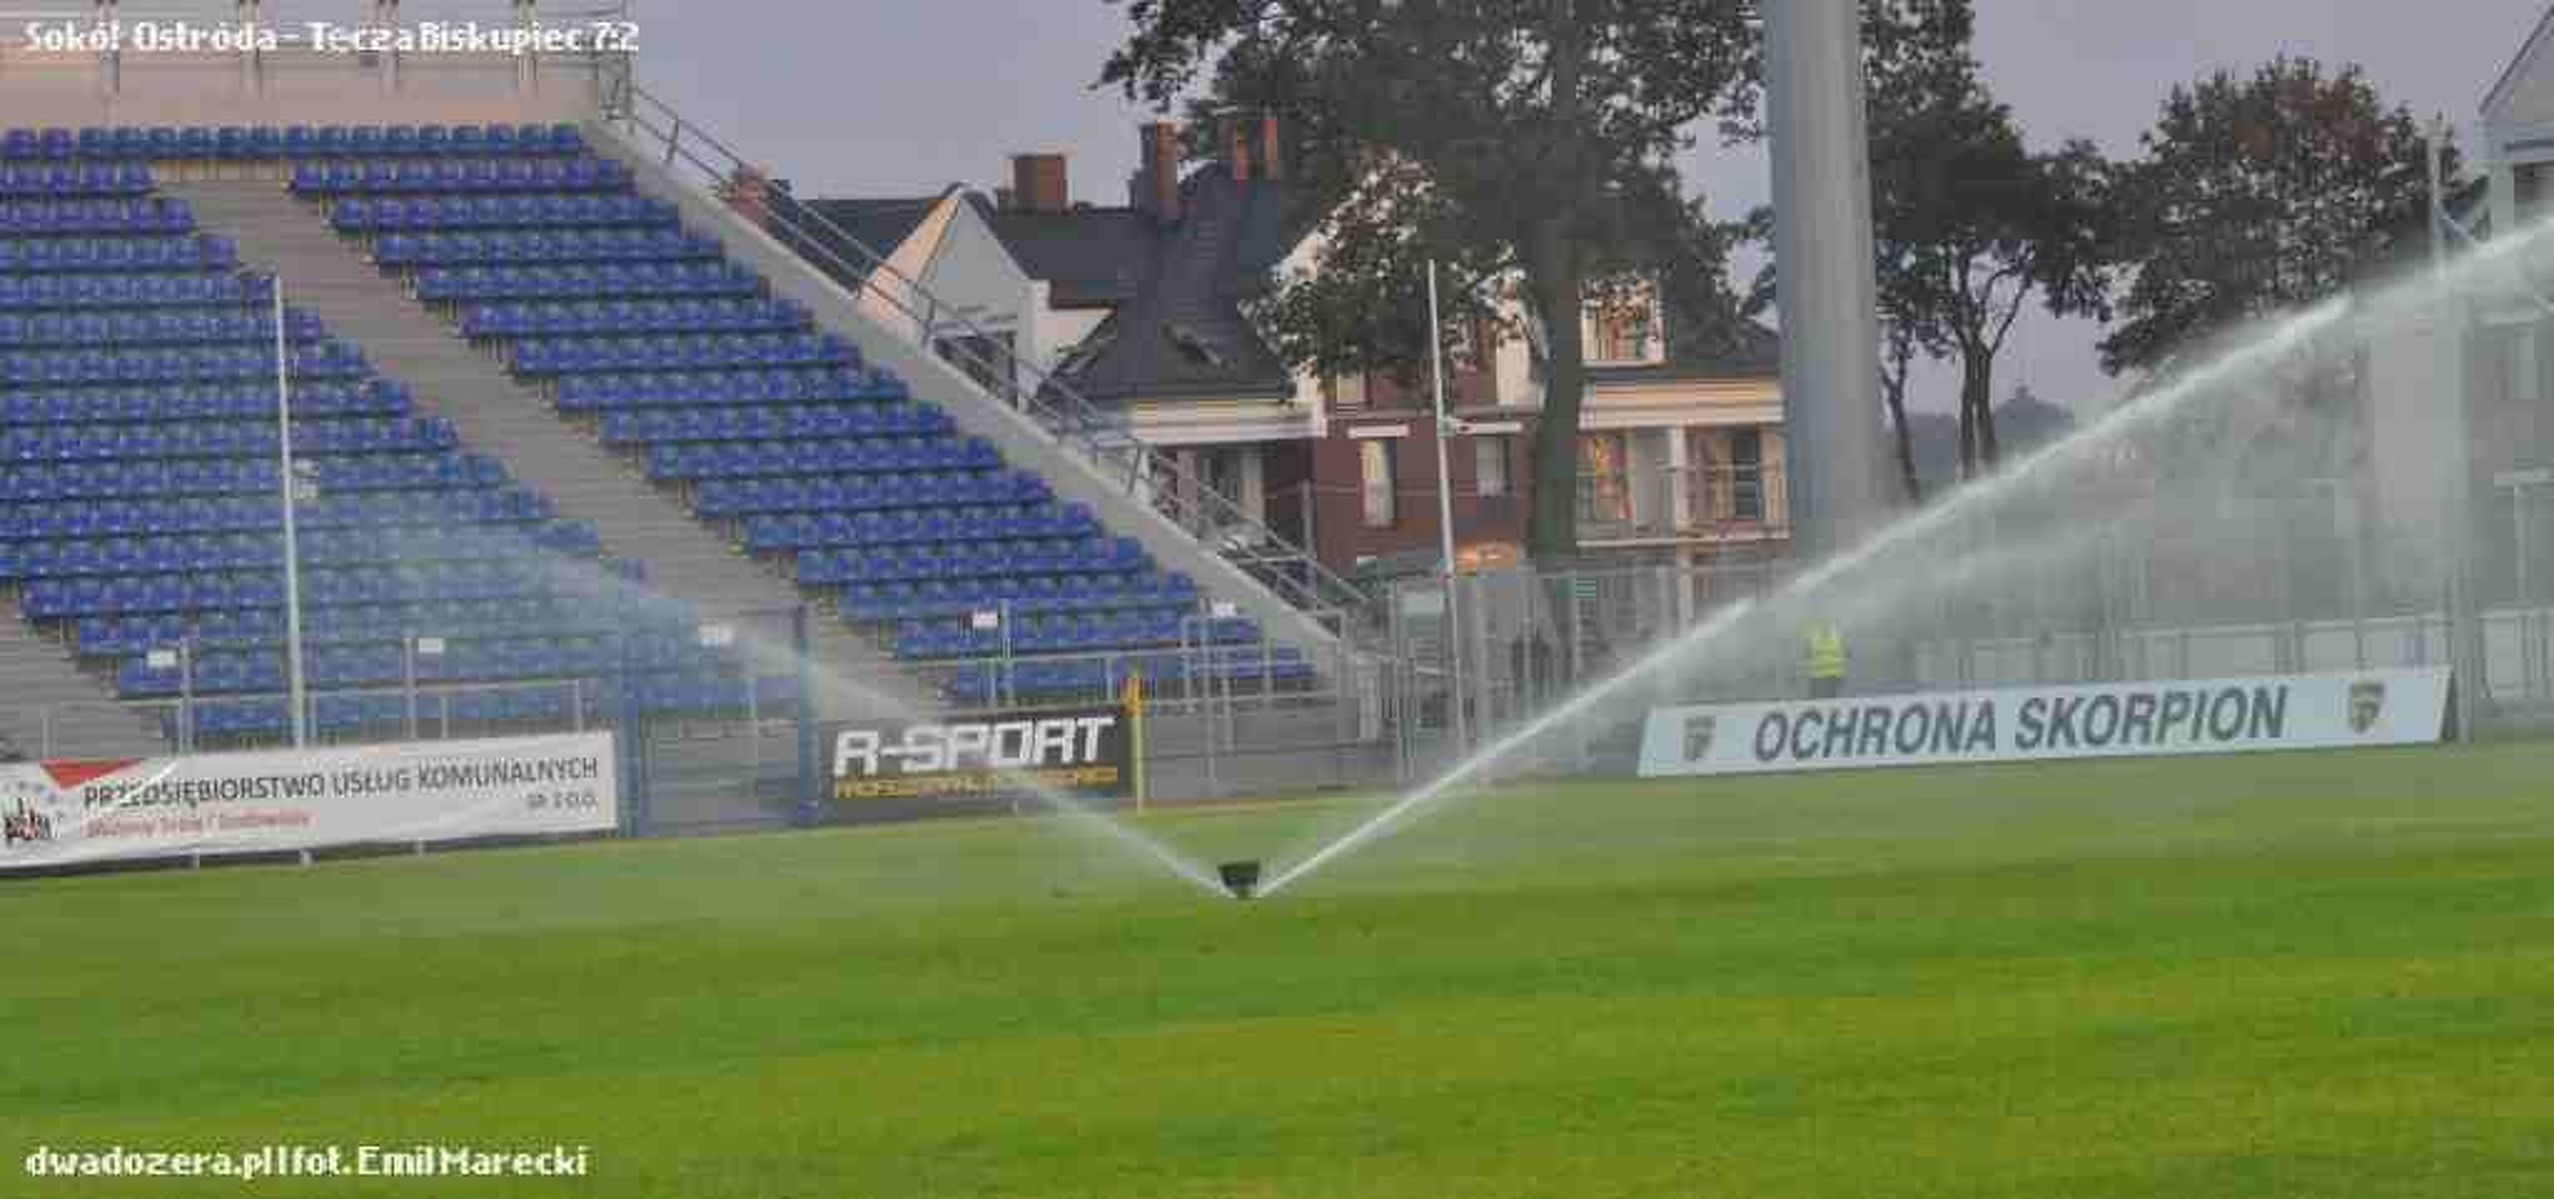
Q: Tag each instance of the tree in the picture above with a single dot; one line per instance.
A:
(1968, 225)
(1525, 140)
(2258, 195)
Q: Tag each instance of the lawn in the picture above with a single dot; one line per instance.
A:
(2294, 975)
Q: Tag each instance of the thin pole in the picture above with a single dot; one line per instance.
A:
(292, 542)
(2518, 516)
(1445, 520)
(2464, 639)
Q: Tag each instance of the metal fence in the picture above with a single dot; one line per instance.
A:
(1511, 646)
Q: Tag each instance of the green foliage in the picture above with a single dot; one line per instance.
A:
(1968, 223)
(2260, 194)
(1528, 145)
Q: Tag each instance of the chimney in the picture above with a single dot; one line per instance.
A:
(1155, 187)
(1272, 151)
(1038, 183)
(1237, 148)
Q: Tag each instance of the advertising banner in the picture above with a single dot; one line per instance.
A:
(2163, 717)
(1087, 752)
(70, 812)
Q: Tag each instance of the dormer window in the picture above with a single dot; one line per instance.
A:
(1622, 333)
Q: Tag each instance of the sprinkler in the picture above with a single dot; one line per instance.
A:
(1240, 878)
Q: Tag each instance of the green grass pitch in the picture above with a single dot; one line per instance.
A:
(2325, 976)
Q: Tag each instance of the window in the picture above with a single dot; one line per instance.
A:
(1622, 333)
(1747, 474)
(1375, 482)
(1605, 492)
(1490, 465)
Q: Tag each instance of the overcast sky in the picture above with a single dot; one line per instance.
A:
(902, 97)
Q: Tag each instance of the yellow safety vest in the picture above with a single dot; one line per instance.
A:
(1826, 653)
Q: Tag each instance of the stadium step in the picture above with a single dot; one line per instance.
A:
(491, 409)
(54, 708)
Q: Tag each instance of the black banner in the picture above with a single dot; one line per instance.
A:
(1082, 752)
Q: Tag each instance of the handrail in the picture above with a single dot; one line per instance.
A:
(1102, 438)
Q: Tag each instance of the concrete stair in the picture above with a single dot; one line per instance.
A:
(55, 709)
(497, 414)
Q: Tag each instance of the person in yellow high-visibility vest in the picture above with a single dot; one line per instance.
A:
(1827, 660)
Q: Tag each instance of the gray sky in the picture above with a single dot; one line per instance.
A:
(887, 97)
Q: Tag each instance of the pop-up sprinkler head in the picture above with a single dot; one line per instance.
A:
(1240, 878)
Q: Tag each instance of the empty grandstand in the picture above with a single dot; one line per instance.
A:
(554, 425)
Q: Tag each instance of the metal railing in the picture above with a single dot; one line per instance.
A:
(1103, 439)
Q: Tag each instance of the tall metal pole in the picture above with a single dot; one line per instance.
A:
(292, 540)
(1445, 521)
(2464, 633)
(1823, 263)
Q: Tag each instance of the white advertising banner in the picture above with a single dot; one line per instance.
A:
(2163, 717)
(66, 813)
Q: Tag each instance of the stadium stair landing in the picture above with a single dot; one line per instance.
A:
(42, 683)
(493, 411)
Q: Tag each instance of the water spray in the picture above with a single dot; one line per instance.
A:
(2137, 414)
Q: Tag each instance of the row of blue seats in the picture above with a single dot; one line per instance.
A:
(1070, 634)
(720, 351)
(580, 210)
(916, 526)
(249, 476)
(1024, 595)
(751, 459)
(193, 287)
(193, 552)
(379, 666)
(668, 425)
(390, 624)
(50, 518)
(94, 368)
(621, 317)
(404, 250)
(676, 389)
(985, 683)
(291, 141)
(315, 400)
(61, 218)
(225, 439)
(59, 599)
(535, 706)
(722, 499)
(460, 176)
(1057, 556)
(640, 280)
(74, 182)
(110, 255)
(164, 327)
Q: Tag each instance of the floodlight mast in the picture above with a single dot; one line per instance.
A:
(1824, 275)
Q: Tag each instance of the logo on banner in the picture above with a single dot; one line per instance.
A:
(1084, 750)
(24, 825)
(1698, 736)
(2367, 704)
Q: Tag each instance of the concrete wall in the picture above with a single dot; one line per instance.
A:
(293, 88)
(1018, 437)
